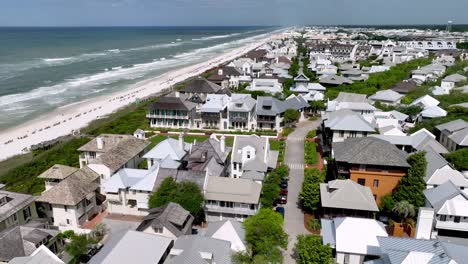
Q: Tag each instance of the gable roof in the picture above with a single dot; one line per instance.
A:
(189, 249)
(405, 86)
(347, 194)
(73, 189)
(42, 255)
(347, 120)
(334, 79)
(172, 103)
(128, 246)
(203, 152)
(301, 77)
(426, 101)
(228, 230)
(134, 179)
(453, 125)
(171, 216)
(454, 78)
(200, 85)
(386, 96)
(241, 103)
(58, 172)
(168, 147)
(15, 203)
(439, 195)
(354, 235)
(233, 190)
(369, 151)
(396, 250)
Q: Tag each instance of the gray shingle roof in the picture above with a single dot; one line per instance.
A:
(20, 241)
(200, 85)
(454, 78)
(172, 103)
(73, 189)
(171, 216)
(58, 171)
(241, 103)
(130, 246)
(15, 203)
(452, 126)
(192, 246)
(369, 151)
(347, 194)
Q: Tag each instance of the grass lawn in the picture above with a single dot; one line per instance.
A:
(312, 134)
(278, 145)
(20, 173)
(310, 152)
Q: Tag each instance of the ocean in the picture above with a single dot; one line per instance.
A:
(42, 69)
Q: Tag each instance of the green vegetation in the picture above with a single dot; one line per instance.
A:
(404, 210)
(310, 152)
(372, 60)
(381, 80)
(311, 75)
(453, 113)
(314, 224)
(458, 158)
(278, 145)
(290, 116)
(462, 45)
(185, 193)
(271, 188)
(310, 193)
(317, 106)
(310, 249)
(265, 238)
(412, 185)
(23, 178)
(286, 131)
(312, 134)
(294, 69)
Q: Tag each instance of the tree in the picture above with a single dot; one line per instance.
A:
(386, 203)
(290, 116)
(404, 210)
(265, 236)
(458, 158)
(186, 193)
(77, 247)
(412, 185)
(270, 187)
(310, 194)
(310, 249)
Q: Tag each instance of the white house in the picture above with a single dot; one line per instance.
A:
(354, 239)
(72, 202)
(271, 86)
(107, 153)
(452, 80)
(229, 230)
(168, 153)
(251, 157)
(128, 190)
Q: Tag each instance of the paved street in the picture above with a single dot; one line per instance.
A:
(294, 158)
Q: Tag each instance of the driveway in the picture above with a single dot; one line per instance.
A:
(294, 159)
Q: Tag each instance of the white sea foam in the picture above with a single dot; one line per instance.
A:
(218, 36)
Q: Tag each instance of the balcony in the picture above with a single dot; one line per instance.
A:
(183, 117)
(451, 225)
(230, 210)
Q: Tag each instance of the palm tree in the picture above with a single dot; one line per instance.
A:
(404, 210)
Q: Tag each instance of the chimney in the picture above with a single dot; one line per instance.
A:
(277, 59)
(177, 94)
(181, 140)
(222, 143)
(267, 149)
(99, 143)
(220, 71)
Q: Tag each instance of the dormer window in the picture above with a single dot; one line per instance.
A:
(267, 107)
(239, 105)
(248, 154)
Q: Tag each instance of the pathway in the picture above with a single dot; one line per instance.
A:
(294, 159)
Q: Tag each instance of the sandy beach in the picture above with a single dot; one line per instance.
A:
(68, 119)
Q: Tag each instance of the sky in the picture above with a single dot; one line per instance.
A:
(229, 12)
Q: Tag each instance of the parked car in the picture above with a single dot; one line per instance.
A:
(283, 199)
(284, 185)
(284, 192)
(280, 210)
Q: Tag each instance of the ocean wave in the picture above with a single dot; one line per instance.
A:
(80, 86)
(58, 60)
(217, 36)
(157, 46)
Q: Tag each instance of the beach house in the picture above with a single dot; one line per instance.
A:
(371, 162)
(252, 158)
(172, 111)
(454, 134)
(107, 153)
(16, 208)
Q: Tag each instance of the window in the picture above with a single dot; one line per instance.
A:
(375, 197)
(376, 183)
(68, 221)
(15, 217)
(361, 181)
(341, 133)
(457, 219)
(352, 134)
(27, 213)
(248, 154)
(443, 218)
(65, 208)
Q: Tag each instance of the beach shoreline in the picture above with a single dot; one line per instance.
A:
(71, 118)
